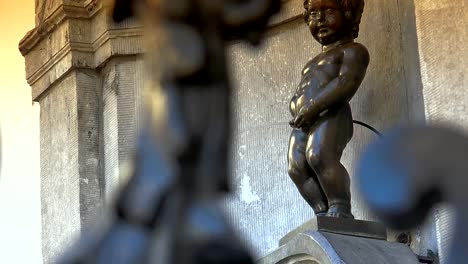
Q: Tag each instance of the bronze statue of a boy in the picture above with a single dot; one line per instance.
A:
(322, 120)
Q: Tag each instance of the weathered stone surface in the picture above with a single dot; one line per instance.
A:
(290, 10)
(122, 99)
(444, 56)
(76, 35)
(70, 165)
(60, 178)
(110, 139)
(88, 113)
(442, 35)
(352, 227)
(309, 225)
(349, 227)
(328, 248)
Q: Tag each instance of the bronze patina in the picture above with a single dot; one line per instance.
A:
(322, 120)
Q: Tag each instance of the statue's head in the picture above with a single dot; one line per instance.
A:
(330, 20)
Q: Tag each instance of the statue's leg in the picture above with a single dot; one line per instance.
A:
(302, 175)
(324, 148)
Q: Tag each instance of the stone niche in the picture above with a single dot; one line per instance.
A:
(87, 73)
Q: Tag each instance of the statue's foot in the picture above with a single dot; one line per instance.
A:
(320, 209)
(340, 210)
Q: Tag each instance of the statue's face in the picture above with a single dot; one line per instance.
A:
(327, 22)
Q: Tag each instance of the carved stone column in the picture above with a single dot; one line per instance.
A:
(82, 70)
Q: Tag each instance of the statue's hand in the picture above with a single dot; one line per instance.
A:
(306, 116)
(299, 121)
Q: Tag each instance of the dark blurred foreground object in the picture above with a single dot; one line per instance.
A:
(407, 172)
(167, 212)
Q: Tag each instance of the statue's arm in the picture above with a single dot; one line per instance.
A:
(342, 88)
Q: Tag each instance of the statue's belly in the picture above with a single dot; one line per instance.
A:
(312, 83)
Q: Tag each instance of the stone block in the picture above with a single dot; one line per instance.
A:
(320, 247)
(352, 227)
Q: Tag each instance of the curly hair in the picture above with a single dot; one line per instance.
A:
(352, 10)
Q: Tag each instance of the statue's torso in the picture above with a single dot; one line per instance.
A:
(317, 73)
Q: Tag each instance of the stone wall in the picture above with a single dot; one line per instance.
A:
(442, 34)
(122, 93)
(60, 177)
